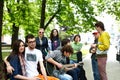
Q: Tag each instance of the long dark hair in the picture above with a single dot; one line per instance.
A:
(15, 49)
(52, 36)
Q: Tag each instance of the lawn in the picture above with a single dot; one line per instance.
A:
(5, 51)
(4, 54)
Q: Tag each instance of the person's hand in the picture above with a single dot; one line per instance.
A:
(93, 50)
(75, 65)
(10, 69)
(59, 66)
(93, 45)
(35, 78)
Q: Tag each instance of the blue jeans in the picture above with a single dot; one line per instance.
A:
(75, 73)
(82, 75)
(95, 69)
(65, 77)
(73, 61)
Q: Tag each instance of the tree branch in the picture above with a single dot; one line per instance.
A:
(59, 5)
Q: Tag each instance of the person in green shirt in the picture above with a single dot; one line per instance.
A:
(76, 45)
(77, 55)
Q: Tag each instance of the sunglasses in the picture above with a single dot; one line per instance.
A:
(30, 42)
(41, 32)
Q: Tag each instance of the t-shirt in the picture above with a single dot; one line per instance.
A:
(76, 47)
(31, 60)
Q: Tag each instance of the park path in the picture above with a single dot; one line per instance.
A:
(113, 66)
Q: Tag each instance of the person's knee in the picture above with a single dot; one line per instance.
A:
(65, 77)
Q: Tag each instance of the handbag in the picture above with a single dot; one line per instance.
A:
(118, 57)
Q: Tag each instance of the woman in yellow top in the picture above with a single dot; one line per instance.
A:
(102, 48)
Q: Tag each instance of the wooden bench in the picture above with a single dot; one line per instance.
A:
(6, 46)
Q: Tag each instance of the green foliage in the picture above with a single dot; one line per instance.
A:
(114, 9)
(27, 17)
(77, 15)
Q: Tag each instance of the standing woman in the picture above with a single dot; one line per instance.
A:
(42, 42)
(55, 40)
(16, 59)
(102, 49)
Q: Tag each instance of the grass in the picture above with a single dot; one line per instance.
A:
(6, 48)
(4, 54)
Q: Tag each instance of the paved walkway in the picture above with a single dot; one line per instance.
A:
(113, 66)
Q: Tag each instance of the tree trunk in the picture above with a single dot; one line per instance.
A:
(1, 16)
(2, 66)
(42, 20)
(15, 31)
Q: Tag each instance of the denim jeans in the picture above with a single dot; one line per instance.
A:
(81, 70)
(65, 77)
(74, 73)
(95, 69)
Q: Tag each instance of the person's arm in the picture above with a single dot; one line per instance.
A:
(50, 58)
(43, 70)
(104, 41)
(9, 68)
(25, 78)
(55, 63)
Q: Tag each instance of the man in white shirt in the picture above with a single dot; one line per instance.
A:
(32, 57)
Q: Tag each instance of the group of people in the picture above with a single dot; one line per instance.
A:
(28, 63)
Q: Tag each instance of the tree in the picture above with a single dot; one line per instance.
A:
(78, 18)
(2, 67)
(1, 17)
(77, 15)
(42, 25)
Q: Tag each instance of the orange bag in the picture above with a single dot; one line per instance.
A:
(49, 77)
